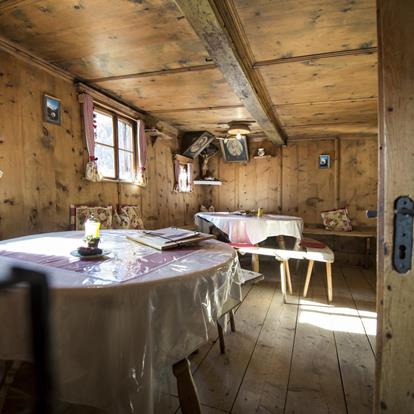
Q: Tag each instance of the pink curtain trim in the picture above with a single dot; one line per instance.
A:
(88, 124)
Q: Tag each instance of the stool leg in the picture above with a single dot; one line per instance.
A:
(283, 280)
(308, 277)
(232, 322)
(221, 338)
(255, 263)
(329, 280)
(289, 280)
(187, 391)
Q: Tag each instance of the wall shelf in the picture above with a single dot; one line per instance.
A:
(207, 182)
(258, 157)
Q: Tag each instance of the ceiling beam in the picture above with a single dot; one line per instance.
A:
(10, 4)
(203, 108)
(162, 72)
(325, 55)
(213, 21)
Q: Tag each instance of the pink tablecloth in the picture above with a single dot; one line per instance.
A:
(118, 324)
(252, 229)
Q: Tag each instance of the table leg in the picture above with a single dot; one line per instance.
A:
(289, 280)
(221, 338)
(187, 391)
(255, 262)
(283, 279)
(329, 280)
(281, 242)
(367, 252)
(308, 277)
(232, 322)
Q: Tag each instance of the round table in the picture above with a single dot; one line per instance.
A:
(252, 229)
(118, 323)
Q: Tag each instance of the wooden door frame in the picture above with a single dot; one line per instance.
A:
(394, 381)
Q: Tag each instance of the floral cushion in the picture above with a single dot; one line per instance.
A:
(128, 217)
(336, 220)
(79, 214)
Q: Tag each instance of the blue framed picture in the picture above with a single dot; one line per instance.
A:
(51, 109)
(324, 161)
(235, 149)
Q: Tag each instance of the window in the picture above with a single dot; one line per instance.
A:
(115, 145)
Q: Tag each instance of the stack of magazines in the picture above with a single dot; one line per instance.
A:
(168, 238)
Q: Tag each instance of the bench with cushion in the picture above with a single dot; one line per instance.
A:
(367, 233)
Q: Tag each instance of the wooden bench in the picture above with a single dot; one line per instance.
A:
(312, 254)
(368, 233)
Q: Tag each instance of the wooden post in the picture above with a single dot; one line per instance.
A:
(187, 392)
(283, 279)
(395, 337)
(329, 280)
(308, 277)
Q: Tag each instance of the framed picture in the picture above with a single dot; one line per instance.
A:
(324, 161)
(235, 149)
(51, 109)
(201, 142)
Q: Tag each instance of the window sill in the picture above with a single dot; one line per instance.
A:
(114, 180)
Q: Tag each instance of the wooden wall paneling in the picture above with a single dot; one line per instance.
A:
(358, 172)
(135, 43)
(328, 130)
(267, 184)
(290, 23)
(309, 190)
(149, 193)
(247, 189)
(229, 192)
(12, 183)
(290, 158)
(44, 164)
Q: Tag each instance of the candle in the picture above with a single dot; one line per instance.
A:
(92, 226)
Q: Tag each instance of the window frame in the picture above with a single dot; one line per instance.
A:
(116, 116)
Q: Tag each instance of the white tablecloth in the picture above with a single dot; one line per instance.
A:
(252, 229)
(115, 338)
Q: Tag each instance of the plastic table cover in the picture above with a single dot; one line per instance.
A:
(253, 229)
(118, 324)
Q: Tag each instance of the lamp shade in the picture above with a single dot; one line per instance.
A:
(236, 128)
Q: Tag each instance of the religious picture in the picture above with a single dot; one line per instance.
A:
(235, 149)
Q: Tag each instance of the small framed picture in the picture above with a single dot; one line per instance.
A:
(324, 161)
(51, 109)
(235, 149)
(201, 142)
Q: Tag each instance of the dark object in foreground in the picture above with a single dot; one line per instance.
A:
(39, 306)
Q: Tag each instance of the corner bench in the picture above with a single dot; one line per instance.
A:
(368, 233)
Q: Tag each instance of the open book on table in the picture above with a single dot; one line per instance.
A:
(168, 238)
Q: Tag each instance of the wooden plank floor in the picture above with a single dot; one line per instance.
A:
(300, 357)
(304, 356)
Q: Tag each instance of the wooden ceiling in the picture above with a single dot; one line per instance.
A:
(312, 65)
